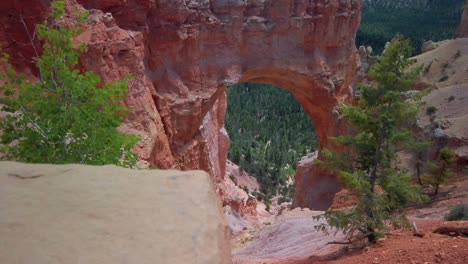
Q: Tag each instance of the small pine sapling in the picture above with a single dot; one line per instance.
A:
(442, 170)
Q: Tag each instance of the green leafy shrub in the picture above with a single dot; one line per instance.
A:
(431, 110)
(457, 213)
(65, 117)
(443, 78)
(233, 178)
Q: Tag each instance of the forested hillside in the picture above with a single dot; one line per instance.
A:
(269, 133)
(420, 20)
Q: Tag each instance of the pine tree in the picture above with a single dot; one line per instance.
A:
(442, 171)
(369, 169)
(418, 148)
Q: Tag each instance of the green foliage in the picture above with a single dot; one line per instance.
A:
(233, 179)
(441, 171)
(420, 20)
(458, 213)
(64, 117)
(369, 169)
(443, 78)
(431, 110)
(427, 68)
(269, 134)
(419, 147)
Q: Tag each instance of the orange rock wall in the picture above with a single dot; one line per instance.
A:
(183, 54)
(462, 31)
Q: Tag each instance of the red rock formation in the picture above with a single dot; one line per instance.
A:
(15, 18)
(462, 31)
(183, 54)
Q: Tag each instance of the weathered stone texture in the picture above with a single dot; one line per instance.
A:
(106, 215)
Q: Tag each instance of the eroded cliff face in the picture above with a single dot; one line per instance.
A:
(462, 31)
(183, 54)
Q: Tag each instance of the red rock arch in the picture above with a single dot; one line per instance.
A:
(313, 188)
(183, 54)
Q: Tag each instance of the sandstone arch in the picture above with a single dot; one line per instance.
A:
(183, 54)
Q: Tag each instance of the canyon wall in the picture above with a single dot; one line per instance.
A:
(183, 54)
(462, 31)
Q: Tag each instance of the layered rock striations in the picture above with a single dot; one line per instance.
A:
(183, 54)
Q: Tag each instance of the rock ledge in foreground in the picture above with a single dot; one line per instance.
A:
(83, 214)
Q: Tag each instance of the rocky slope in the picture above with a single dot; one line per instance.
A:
(183, 54)
(446, 72)
(289, 235)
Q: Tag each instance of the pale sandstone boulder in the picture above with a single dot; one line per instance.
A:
(83, 214)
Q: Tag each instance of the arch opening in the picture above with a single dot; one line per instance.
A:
(269, 133)
(318, 95)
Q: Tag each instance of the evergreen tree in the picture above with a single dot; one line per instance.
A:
(65, 117)
(418, 148)
(442, 171)
(369, 169)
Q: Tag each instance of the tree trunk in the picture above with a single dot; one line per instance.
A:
(418, 168)
(371, 236)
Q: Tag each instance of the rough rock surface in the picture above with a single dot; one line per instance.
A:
(183, 54)
(367, 60)
(290, 235)
(446, 72)
(241, 178)
(317, 189)
(446, 65)
(462, 31)
(82, 214)
(448, 126)
(241, 209)
(431, 45)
